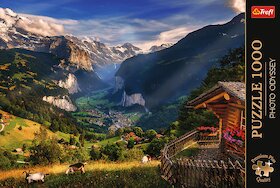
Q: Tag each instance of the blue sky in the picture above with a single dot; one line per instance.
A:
(141, 22)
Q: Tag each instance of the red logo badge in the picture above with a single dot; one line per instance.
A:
(263, 12)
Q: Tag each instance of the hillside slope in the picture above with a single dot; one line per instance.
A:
(162, 76)
(19, 131)
(33, 86)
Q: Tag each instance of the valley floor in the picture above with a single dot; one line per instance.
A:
(98, 174)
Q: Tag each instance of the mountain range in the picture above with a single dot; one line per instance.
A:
(84, 64)
(159, 77)
(82, 53)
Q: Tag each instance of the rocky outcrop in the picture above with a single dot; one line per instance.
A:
(62, 102)
(71, 84)
(64, 48)
(129, 100)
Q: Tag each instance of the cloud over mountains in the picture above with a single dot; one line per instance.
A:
(34, 24)
(143, 32)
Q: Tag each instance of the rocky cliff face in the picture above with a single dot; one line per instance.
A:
(119, 83)
(64, 48)
(71, 84)
(129, 100)
(62, 102)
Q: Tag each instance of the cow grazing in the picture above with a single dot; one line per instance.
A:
(76, 167)
(146, 159)
(39, 176)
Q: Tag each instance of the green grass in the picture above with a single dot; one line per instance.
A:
(139, 177)
(65, 136)
(108, 141)
(124, 174)
(21, 76)
(189, 152)
(97, 99)
(134, 117)
(15, 138)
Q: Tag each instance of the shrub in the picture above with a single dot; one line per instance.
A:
(72, 140)
(138, 131)
(7, 160)
(133, 154)
(5, 163)
(24, 147)
(95, 154)
(151, 134)
(130, 143)
(155, 146)
(113, 151)
(121, 143)
(45, 153)
(80, 154)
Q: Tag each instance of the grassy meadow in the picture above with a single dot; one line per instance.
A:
(98, 174)
(14, 137)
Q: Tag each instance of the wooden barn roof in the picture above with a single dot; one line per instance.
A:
(234, 89)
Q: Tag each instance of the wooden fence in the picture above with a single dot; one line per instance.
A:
(199, 173)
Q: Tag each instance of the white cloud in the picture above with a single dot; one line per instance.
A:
(170, 36)
(41, 27)
(51, 20)
(35, 24)
(144, 33)
(238, 5)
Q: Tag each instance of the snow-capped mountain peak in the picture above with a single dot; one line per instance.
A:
(17, 31)
(126, 50)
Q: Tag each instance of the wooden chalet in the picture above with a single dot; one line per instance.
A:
(227, 101)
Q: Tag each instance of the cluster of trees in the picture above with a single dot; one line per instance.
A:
(138, 131)
(116, 152)
(94, 137)
(7, 160)
(122, 152)
(45, 150)
(31, 106)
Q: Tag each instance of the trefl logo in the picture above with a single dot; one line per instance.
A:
(263, 12)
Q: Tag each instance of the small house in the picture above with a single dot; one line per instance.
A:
(227, 101)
